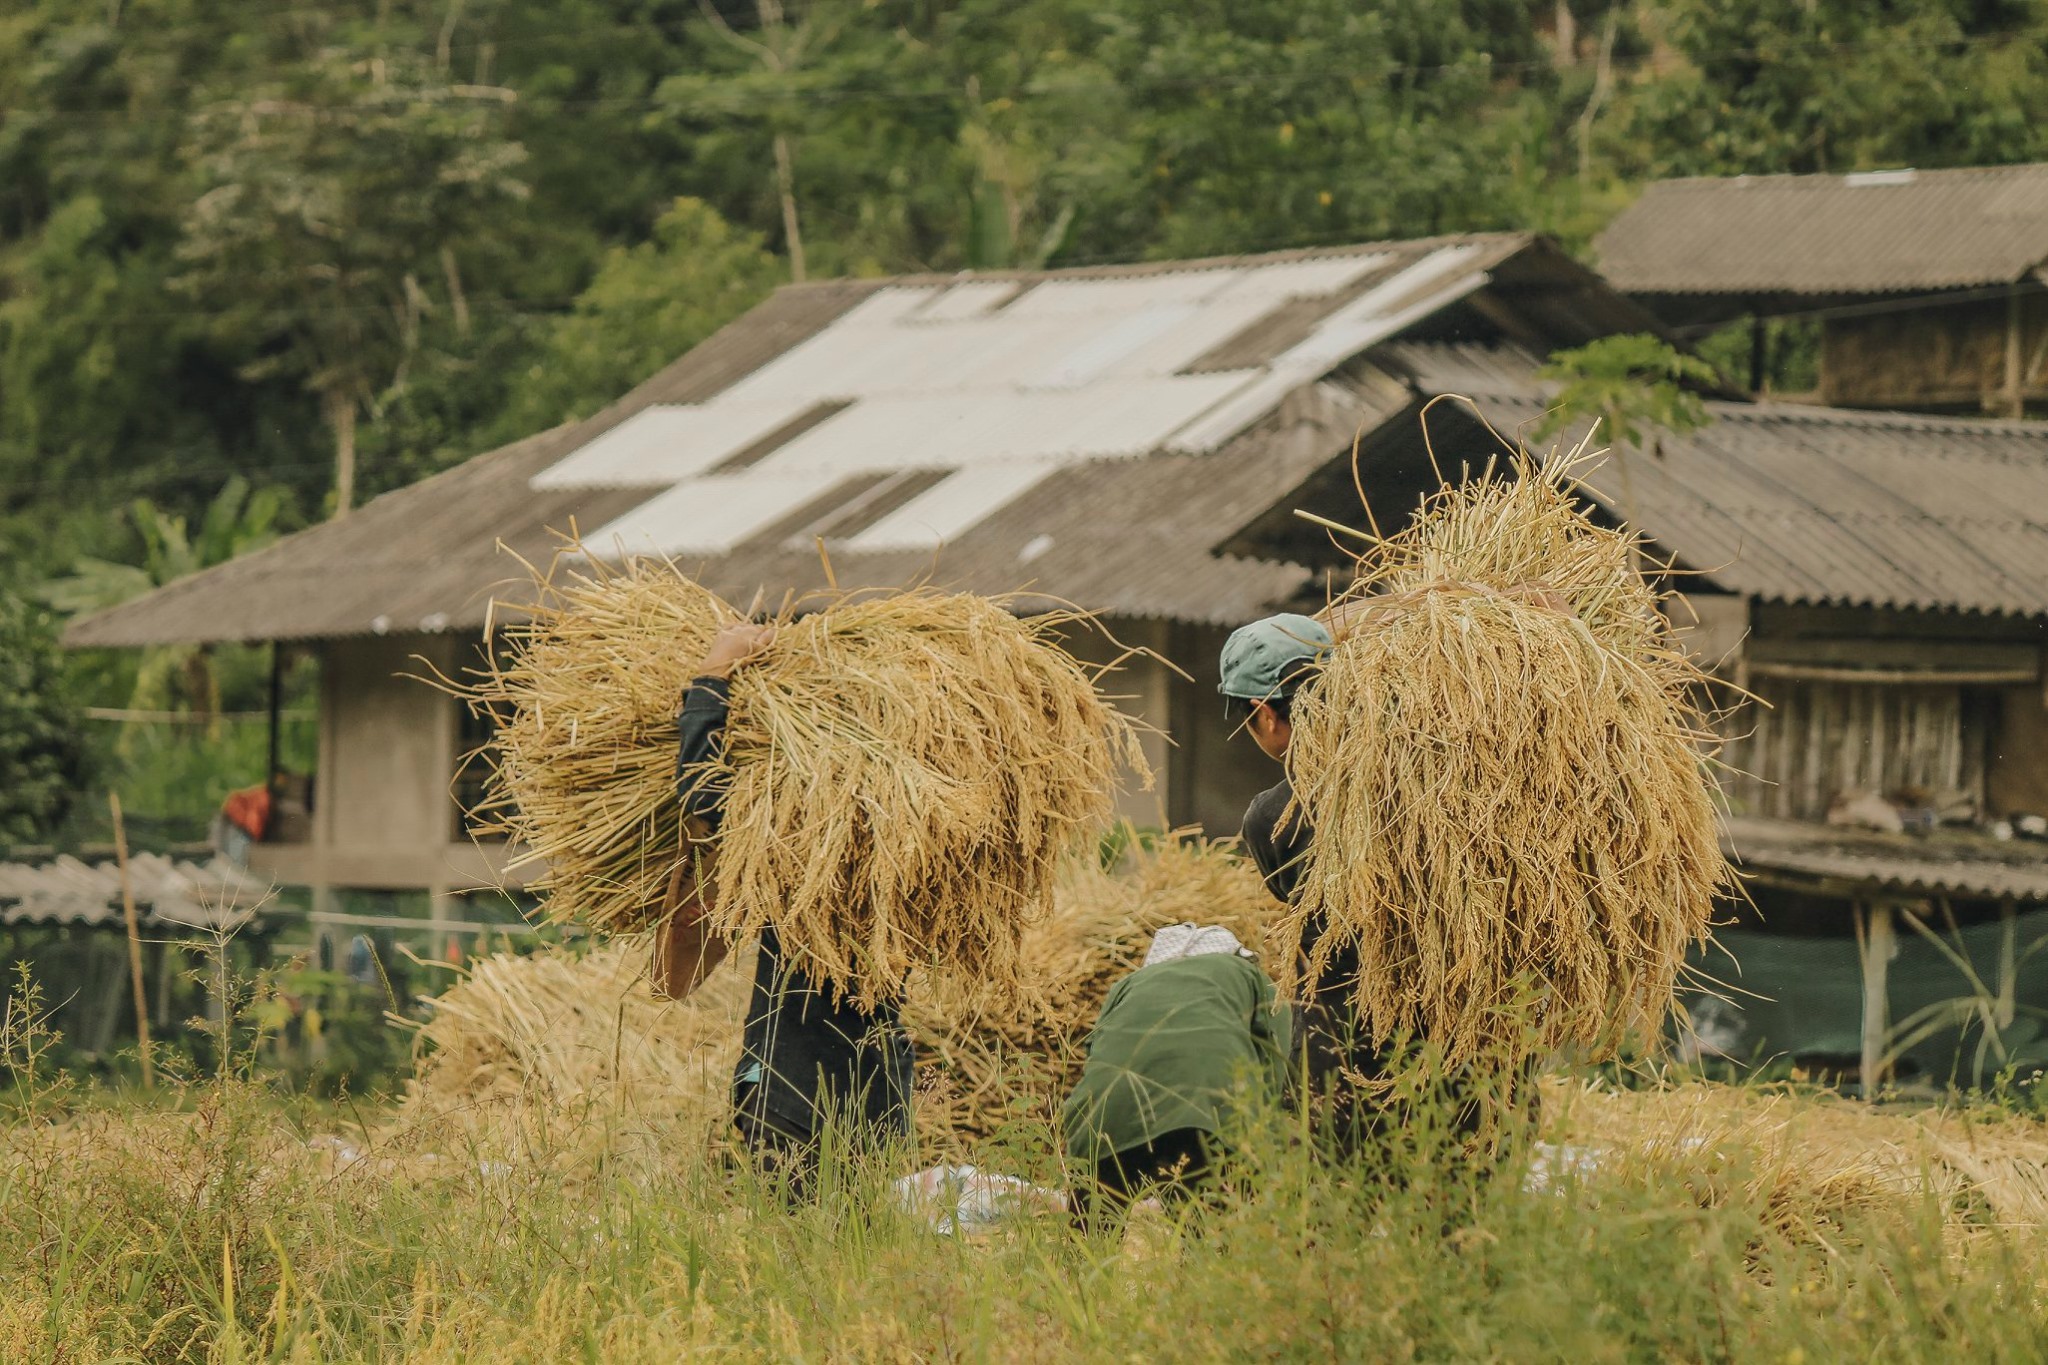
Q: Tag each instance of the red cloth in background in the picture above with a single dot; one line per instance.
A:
(248, 810)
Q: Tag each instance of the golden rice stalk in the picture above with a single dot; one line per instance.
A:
(905, 769)
(1513, 819)
(583, 764)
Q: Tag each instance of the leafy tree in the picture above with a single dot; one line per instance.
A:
(1633, 386)
(648, 304)
(338, 200)
(1840, 85)
(1272, 124)
(236, 522)
(43, 750)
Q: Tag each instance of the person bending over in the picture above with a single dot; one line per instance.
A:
(1180, 1045)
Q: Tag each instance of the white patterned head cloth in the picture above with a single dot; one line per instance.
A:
(1176, 941)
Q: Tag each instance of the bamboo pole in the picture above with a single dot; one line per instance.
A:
(1879, 942)
(134, 942)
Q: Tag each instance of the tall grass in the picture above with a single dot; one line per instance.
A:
(222, 1225)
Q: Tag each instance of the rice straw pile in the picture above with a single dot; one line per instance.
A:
(1513, 820)
(1811, 1161)
(560, 1033)
(905, 770)
(556, 1031)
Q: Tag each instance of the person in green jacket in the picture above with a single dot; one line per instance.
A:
(1182, 1045)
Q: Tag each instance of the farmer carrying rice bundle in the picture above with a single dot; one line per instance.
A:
(872, 784)
(810, 1060)
(1496, 832)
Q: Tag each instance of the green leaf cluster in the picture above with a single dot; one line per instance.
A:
(43, 751)
(1634, 386)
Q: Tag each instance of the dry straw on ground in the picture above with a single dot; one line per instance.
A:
(1502, 765)
(551, 1035)
(905, 770)
(555, 1051)
(1813, 1162)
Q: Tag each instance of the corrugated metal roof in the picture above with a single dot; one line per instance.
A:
(1940, 864)
(1428, 283)
(1136, 534)
(1107, 418)
(1304, 279)
(1786, 502)
(1831, 234)
(169, 894)
(1115, 298)
(965, 300)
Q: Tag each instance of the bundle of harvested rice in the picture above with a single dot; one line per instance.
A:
(1513, 819)
(904, 770)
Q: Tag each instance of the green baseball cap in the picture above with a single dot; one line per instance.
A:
(1269, 657)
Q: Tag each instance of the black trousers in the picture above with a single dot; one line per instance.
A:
(1359, 1107)
(792, 1154)
(1174, 1165)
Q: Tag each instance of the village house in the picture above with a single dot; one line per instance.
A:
(1089, 436)
(1135, 440)
(1926, 286)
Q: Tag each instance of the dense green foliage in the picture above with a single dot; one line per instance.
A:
(260, 240)
(1632, 385)
(42, 744)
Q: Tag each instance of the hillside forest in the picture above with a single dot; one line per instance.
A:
(261, 260)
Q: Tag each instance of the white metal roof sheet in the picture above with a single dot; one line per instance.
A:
(1127, 294)
(1191, 333)
(952, 506)
(968, 299)
(1254, 394)
(1104, 347)
(661, 445)
(709, 514)
(1311, 278)
(1407, 295)
(902, 431)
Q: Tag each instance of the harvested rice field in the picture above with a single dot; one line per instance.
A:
(554, 1184)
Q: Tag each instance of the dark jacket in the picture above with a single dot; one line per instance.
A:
(804, 1057)
(1333, 1050)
